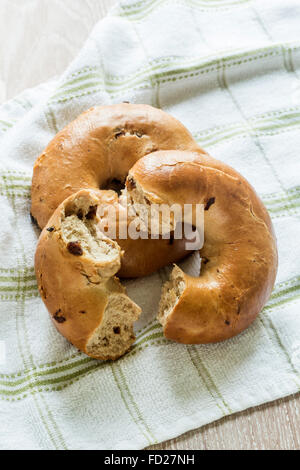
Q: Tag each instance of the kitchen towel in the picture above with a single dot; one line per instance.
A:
(230, 71)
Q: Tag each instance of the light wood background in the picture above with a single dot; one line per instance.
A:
(38, 38)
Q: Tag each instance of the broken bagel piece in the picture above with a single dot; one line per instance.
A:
(239, 255)
(75, 265)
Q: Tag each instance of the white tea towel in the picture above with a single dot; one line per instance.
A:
(230, 71)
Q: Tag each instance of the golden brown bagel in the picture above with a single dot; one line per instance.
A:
(75, 265)
(95, 151)
(239, 252)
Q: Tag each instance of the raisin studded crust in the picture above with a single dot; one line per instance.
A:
(239, 256)
(75, 265)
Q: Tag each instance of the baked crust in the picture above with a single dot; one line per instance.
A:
(76, 288)
(239, 249)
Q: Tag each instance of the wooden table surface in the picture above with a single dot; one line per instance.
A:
(27, 28)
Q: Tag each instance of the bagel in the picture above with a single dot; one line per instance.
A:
(96, 152)
(75, 264)
(239, 255)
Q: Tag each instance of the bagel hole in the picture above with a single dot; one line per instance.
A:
(116, 185)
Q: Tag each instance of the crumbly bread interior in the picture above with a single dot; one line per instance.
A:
(139, 203)
(80, 231)
(171, 291)
(115, 334)
(154, 216)
(82, 236)
(93, 242)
